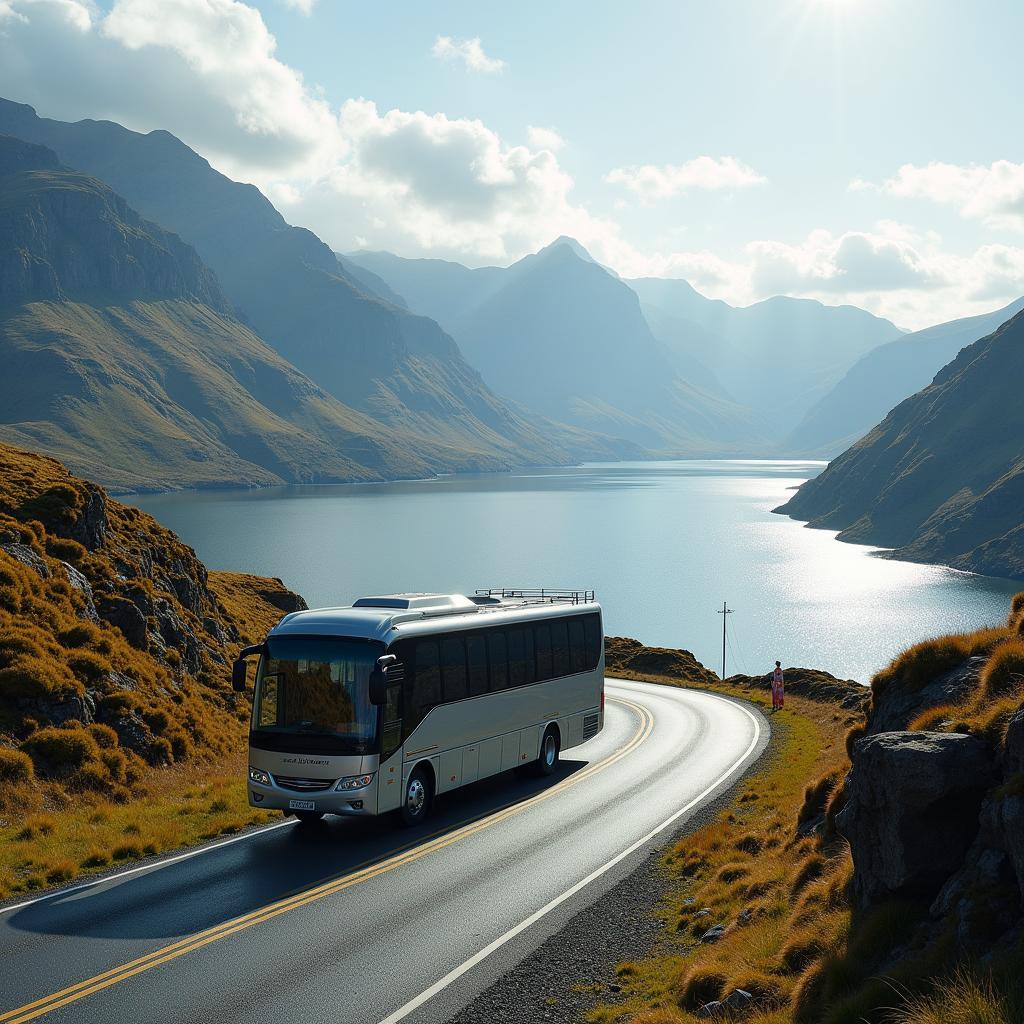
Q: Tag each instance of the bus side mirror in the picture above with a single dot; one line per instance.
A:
(379, 678)
(238, 679)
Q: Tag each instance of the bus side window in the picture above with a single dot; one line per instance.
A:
(497, 651)
(592, 631)
(476, 652)
(542, 640)
(453, 664)
(520, 671)
(560, 662)
(391, 735)
(577, 645)
(426, 680)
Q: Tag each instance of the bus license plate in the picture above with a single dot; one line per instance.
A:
(302, 805)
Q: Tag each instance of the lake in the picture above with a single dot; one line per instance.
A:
(662, 543)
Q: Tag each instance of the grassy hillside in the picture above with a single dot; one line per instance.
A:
(941, 478)
(124, 358)
(115, 701)
(366, 352)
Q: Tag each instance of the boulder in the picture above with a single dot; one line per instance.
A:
(897, 706)
(124, 614)
(738, 1001)
(712, 1010)
(713, 934)
(912, 810)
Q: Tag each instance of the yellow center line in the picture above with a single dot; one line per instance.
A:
(80, 990)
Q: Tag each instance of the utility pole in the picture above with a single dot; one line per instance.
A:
(724, 611)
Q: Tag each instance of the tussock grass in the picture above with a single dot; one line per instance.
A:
(59, 668)
(966, 998)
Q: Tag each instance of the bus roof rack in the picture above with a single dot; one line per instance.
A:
(542, 596)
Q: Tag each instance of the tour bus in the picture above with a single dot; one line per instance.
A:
(383, 705)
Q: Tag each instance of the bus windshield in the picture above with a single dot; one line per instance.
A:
(312, 695)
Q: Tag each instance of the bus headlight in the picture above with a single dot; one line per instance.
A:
(353, 782)
(258, 775)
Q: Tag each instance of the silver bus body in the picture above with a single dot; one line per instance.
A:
(475, 687)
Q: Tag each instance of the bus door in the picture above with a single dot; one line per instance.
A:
(389, 779)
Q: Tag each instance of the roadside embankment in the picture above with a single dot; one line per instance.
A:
(873, 871)
(120, 736)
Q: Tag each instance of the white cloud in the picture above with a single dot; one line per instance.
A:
(651, 182)
(469, 51)
(544, 138)
(992, 194)
(305, 6)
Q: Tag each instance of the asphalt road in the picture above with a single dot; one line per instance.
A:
(361, 922)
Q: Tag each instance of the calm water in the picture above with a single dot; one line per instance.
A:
(664, 544)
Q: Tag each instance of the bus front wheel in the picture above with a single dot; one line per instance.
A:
(419, 794)
(549, 751)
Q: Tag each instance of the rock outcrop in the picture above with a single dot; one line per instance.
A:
(625, 654)
(913, 800)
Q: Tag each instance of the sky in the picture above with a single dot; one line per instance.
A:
(854, 151)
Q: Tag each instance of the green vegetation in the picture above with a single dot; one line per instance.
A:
(114, 681)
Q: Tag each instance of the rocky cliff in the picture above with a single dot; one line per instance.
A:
(941, 478)
(933, 806)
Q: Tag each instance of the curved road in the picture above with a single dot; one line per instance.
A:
(360, 922)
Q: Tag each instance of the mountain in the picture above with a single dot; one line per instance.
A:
(323, 318)
(941, 478)
(883, 378)
(560, 334)
(779, 356)
(122, 355)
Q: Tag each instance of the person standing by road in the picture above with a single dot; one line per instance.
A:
(777, 687)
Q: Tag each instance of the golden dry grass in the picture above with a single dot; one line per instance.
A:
(58, 669)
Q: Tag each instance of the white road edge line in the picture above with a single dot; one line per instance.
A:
(415, 1003)
(155, 865)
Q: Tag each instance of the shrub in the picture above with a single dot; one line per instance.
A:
(82, 634)
(61, 872)
(60, 752)
(15, 766)
(65, 549)
(801, 951)
(28, 676)
(96, 858)
(120, 702)
(92, 775)
(701, 985)
(1004, 671)
(856, 733)
(158, 721)
(104, 736)
(1017, 611)
(766, 990)
(809, 871)
(816, 797)
(88, 665)
(116, 764)
(127, 851)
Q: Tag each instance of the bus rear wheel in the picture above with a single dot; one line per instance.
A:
(308, 817)
(549, 751)
(419, 795)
